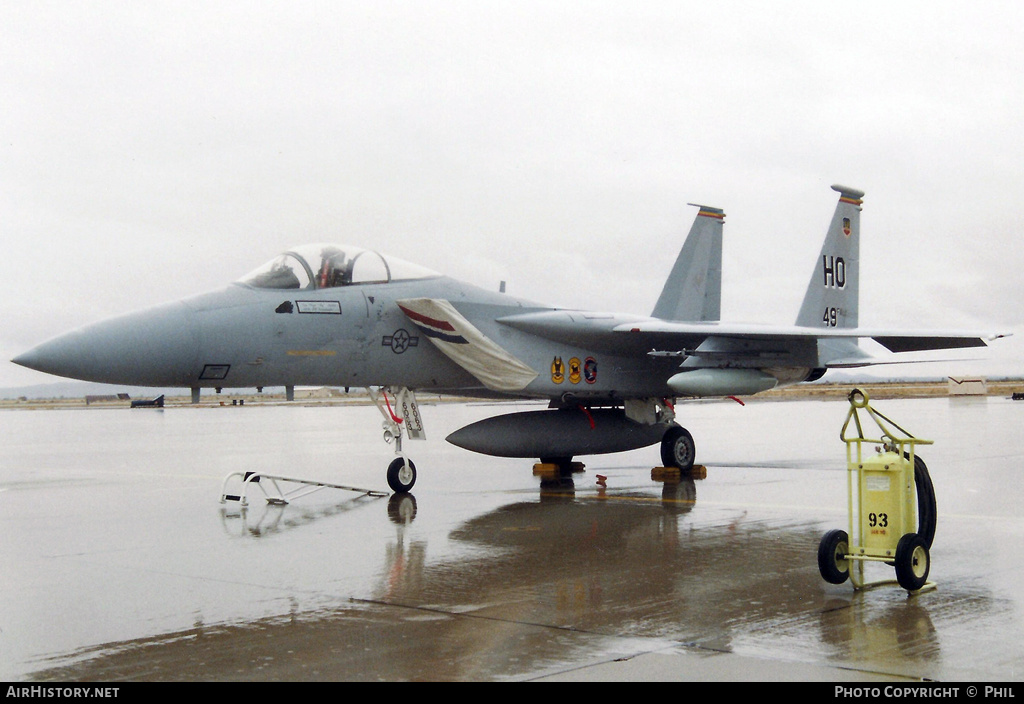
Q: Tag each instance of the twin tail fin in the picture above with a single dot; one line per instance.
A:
(693, 290)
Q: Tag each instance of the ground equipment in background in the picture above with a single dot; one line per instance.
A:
(886, 524)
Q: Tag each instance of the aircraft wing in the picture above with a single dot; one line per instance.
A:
(738, 344)
(892, 340)
(744, 345)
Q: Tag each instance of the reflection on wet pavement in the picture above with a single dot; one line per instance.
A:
(489, 573)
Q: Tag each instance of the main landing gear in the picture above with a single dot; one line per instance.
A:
(678, 449)
(678, 454)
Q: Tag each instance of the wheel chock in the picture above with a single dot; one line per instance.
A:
(674, 474)
(666, 474)
(546, 470)
(549, 470)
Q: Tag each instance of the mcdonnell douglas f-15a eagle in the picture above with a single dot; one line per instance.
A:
(332, 315)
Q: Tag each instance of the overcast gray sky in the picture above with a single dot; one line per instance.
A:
(151, 150)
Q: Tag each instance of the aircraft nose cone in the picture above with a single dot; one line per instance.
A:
(46, 357)
(155, 347)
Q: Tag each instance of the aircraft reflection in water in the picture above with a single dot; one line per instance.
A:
(341, 316)
(557, 582)
(259, 519)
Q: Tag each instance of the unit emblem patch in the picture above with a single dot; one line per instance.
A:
(574, 370)
(557, 370)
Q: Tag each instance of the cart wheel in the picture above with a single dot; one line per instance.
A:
(926, 511)
(913, 562)
(832, 552)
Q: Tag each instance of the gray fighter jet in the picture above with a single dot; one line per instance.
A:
(333, 315)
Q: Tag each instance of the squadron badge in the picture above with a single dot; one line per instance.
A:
(557, 370)
(574, 370)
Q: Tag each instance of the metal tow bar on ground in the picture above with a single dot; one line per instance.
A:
(886, 524)
(276, 496)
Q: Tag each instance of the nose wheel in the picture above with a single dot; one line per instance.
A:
(403, 419)
(401, 475)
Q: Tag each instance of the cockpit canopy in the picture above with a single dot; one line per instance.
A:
(316, 266)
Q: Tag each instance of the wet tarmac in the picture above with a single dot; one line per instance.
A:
(119, 563)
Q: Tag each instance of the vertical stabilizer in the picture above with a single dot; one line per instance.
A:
(693, 290)
(832, 294)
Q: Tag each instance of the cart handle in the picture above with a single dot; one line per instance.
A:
(859, 400)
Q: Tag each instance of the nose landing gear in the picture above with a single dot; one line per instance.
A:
(401, 473)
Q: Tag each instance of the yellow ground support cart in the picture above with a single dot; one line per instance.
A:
(885, 523)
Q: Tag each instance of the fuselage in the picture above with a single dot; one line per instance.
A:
(355, 335)
(333, 315)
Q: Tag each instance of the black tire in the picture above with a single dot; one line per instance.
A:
(678, 449)
(913, 562)
(401, 478)
(832, 552)
(927, 512)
